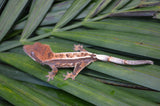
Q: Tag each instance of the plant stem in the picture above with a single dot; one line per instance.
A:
(40, 37)
(71, 26)
(78, 24)
(101, 17)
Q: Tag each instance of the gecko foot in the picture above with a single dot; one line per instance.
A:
(69, 75)
(50, 76)
(79, 48)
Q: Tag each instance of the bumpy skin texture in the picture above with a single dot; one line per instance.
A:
(43, 54)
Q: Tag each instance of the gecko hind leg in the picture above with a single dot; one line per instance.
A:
(78, 67)
(69, 75)
(79, 48)
(52, 74)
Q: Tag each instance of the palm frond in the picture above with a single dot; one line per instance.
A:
(127, 29)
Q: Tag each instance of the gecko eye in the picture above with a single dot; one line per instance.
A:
(32, 53)
(32, 56)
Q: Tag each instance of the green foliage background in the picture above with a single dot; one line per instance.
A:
(128, 29)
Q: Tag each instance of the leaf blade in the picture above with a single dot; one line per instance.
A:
(27, 92)
(72, 87)
(6, 20)
(99, 6)
(134, 74)
(126, 42)
(139, 26)
(73, 10)
(38, 12)
(9, 44)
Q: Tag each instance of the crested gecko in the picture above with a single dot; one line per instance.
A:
(79, 59)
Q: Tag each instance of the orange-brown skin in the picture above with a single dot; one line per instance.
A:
(43, 54)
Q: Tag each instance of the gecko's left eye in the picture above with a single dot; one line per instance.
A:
(32, 53)
(32, 56)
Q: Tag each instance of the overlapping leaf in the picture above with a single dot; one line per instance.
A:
(23, 94)
(38, 12)
(53, 94)
(77, 88)
(138, 37)
(73, 10)
(127, 42)
(9, 15)
(135, 74)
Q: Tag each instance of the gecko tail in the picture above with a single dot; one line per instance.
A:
(121, 61)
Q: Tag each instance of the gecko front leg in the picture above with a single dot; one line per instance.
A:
(52, 74)
(79, 48)
(78, 67)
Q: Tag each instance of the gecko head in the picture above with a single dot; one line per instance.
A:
(41, 51)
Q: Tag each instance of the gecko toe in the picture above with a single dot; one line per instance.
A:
(69, 75)
(64, 75)
(65, 79)
(51, 76)
(48, 79)
(73, 78)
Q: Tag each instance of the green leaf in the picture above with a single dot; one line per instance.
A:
(98, 7)
(129, 73)
(143, 9)
(9, 44)
(58, 95)
(134, 74)
(53, 15)
(111, 90)
(145, 3)
(2, 4)
(62, 46)
(20, 89)
(12, 35)
(121, 4)
(61, 6)
(126, 25)
(117, 6)
(36, 15)
(135, 14)
(157, 16)
(9, 15)
(132, 4)
(124, 36)
(3, 102)
(18, 98)
(73, 10)
(76, 88)
(19, 75)
(150, 95)
(139, 44)
(111, 7)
